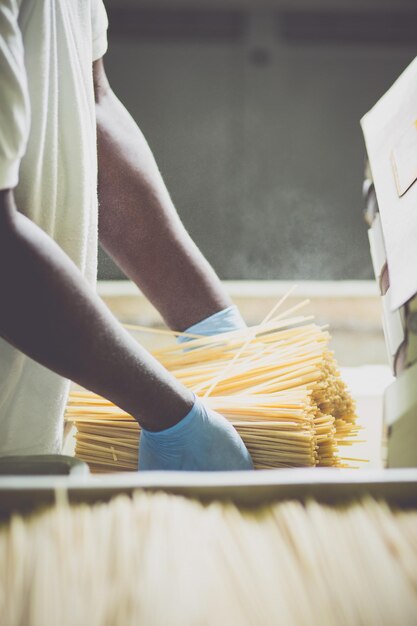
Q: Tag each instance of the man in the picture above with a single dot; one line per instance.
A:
(57, 114)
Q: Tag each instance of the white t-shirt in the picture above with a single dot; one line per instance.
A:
(48, 149)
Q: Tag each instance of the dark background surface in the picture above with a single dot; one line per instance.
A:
(252, 110)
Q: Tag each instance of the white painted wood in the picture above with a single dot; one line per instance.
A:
(265, 288)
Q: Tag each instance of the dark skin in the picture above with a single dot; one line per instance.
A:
(50, 313)
(144, 235)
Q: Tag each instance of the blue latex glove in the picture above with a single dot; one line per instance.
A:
(202, 441)
(222, 322)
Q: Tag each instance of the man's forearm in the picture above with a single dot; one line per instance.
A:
(139, 226)
(49, 312)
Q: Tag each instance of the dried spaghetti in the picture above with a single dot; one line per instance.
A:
(160, 559)
(277, 383)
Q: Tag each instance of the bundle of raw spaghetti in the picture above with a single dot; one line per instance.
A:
(158, 559)
(277, 383)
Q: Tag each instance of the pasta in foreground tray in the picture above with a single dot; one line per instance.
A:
(160, 559)
(278, 384)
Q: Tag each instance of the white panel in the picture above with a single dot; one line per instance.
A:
(390, 356)
(401, 396)
(376, 243)
(384, 128)
(393, 325)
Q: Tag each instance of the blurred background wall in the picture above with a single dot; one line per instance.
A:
(252, 110)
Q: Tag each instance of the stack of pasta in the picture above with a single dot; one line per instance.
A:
(161, 559)
(277, 383)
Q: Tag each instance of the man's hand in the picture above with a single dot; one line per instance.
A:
(203, 440)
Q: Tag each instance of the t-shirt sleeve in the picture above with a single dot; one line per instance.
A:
(14, 97)
(99, 25)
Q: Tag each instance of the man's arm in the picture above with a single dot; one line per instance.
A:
(138, 224)
(48, 311)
